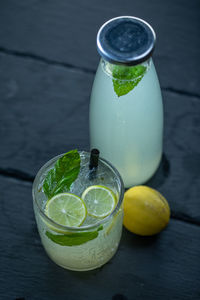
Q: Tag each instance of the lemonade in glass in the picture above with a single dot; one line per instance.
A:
(78, 210)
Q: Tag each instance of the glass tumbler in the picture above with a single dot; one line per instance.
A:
(96, 240)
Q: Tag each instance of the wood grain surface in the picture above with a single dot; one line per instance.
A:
(161, 267)
(64, 32)
(48, 60)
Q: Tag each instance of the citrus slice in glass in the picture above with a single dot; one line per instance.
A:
(99, 200)
(66, 209)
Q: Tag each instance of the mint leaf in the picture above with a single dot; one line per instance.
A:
(65, 171)
(126, 78)
(73, 239)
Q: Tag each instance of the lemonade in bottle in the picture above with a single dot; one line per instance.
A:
(126, 109)
(78, 209)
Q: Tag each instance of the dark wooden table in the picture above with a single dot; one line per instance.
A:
(48, 60)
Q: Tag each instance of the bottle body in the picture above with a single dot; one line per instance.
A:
(128, 130)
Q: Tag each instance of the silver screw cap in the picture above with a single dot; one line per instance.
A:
(126, 40)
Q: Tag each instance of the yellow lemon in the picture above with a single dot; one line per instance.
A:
(146, 211)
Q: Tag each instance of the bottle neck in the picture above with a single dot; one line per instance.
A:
(125, 72)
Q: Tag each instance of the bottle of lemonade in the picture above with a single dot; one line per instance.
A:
(126, 110)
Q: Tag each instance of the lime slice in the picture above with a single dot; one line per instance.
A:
(66, 209)
(99, 200)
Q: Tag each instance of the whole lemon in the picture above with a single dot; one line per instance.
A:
(146, 211)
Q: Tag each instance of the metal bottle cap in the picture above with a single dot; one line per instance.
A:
(126, 40)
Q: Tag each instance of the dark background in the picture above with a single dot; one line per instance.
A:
(48, 60)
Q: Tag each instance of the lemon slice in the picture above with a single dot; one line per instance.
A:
(66, 209)
(99, 200)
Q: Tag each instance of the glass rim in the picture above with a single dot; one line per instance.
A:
(63, 228)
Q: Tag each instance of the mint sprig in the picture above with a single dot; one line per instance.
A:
(61, 176)
(126, 78)
(73, 239)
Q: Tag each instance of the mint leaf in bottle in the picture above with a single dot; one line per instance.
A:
(126, 78)
(63, 174)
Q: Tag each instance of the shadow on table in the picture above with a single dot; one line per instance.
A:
(138, 242)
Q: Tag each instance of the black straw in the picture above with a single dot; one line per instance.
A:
(94, 159)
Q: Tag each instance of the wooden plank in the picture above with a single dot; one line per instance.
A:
(161, 267)
(44, 112)
(178, 177)
(65, 32)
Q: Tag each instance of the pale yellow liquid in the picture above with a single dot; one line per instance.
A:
(128, 130)
(89, 255)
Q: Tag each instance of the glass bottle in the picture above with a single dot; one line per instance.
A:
(126, 110)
